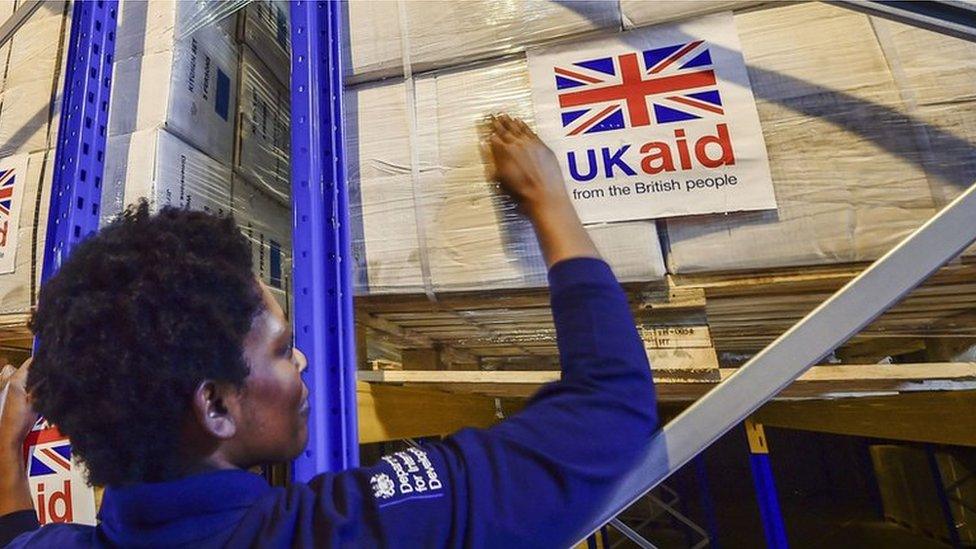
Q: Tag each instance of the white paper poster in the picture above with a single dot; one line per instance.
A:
(57, 480)
(655, 122)
(13, 179)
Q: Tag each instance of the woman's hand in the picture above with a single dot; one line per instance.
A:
(526, 167)
(16, 416)
(16, 420)
(528, 170)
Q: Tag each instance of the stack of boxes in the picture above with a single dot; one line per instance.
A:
(31, 66)
(199, 121)
(430, 219)
(860, 154)
(262, 172)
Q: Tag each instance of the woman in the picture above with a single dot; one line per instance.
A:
(171, 369)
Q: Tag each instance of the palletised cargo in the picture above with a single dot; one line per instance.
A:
(859, 155)
(166, 171)
(32, 71)
(854, 159)
(264, 25)
(439, 34)
(443, 226)
(176, 68)
(267, 225)
(25, 187)
(262, 141)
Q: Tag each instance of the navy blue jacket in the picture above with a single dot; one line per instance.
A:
(534, 480)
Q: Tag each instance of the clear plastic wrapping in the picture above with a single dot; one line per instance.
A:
(265, 25)
(852, 132)
(870, 126)
(642, 13)
(444, 226)
(165, 78)
(267, 224)
(263, 127)
(32, 79)
(18, 289)
(198, 120)
(442, 33)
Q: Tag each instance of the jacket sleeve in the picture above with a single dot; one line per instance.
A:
(534, 479)
(17, 523)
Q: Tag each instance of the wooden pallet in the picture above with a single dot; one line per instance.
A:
(818, 382)
(15, 336)
(684, 319)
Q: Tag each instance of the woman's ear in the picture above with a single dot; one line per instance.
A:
(215, 406)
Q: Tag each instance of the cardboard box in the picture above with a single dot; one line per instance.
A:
(262, 152)
(935, 75)
(442, 34)
(178, 71)
(165, 170)
(33, 64)
(472, 236)
(265, 25)
(845, 159)
(23, 224)
(268, 226)
(641, 13)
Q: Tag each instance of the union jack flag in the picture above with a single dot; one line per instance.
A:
(674, 83)
(48, 451)
(6, 192)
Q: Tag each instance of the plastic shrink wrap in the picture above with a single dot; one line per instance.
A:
(429, 217)
(868, 124)
(851, 108)
(442, 33)
(30, 94)
(263, 128)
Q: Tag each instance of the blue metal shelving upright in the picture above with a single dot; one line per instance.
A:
(325, 329)
(80, 154)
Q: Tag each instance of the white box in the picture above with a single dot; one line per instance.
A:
(641, 13)
(473, 237)
(18, 289)
(262, 152)
(265, 26)
(169, 77)
(165, 170)
(444, 33)
(843, 156)
(268, 226)
(33, 65)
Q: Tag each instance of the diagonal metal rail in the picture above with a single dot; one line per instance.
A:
(844, 314)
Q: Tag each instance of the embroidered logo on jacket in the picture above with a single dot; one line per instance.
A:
(382, 486)
(408, 476)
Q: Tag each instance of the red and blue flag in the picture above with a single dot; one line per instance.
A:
(661, 85)
(7, 181)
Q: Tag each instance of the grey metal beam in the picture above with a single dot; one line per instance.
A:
(17, 19)
(844, 314)
(632, 534)
(954, 18)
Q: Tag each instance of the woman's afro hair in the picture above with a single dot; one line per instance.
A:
(134, 320)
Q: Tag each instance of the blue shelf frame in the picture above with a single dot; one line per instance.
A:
(79, 158)
(325, 327)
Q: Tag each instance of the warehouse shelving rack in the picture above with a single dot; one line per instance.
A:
(322, 272)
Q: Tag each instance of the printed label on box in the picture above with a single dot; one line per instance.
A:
(653, 123)
(57, 481)
(13, 179)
